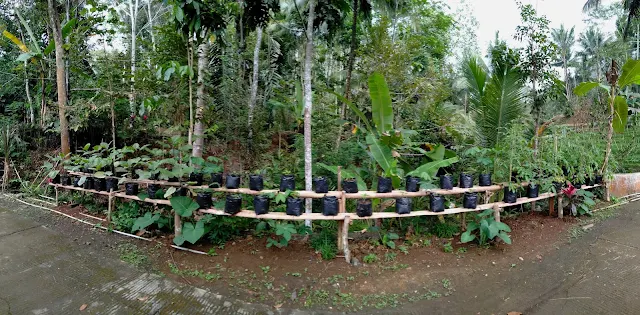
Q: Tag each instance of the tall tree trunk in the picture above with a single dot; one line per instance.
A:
(254, 83)
(352, 56)
(60, 78)
(43, 103)
(308, 100)
(133, 15)
(66, 41)
(198, 131)
(566, 77)
(190, 63)
(153, 37)
(32, 116)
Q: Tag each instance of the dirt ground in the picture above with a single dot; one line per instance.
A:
(297, 277)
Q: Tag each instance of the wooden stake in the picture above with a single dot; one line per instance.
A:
(560, 209)
(552, 204)
(56, 189)
(496, 213)
(345, 239)
(110, 207)
(341, 209)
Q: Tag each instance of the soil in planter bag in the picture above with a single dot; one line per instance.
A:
(413, 184)
(287, 182)
(261, 204)
(466, 180)
(196, 177)
(436, 203)
(131, 189)
(111, 183)
(65, 180)
(533, 191)
(320, 185)
(384, 185)
(88, 183)
(484, 180)
(152, 189)
(204, 200)
(256, 183)
(232, 182)
(233, 204)
(350, 186)
(216, 180)
(509, 196)
(446, 182)
(99, 184)
(363, 208)
(470, 200)
(403, 205)
(294, 206)
(329, 206)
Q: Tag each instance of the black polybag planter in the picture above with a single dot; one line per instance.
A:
(131, 189)
(65, 180)
(255, 182)
(509, 196)
(152, 189)
(589, 181)
(88, 183)
(598, 180)
(233, 204)
(350, 185)
(287, 182)
(76, 181)
(216, 180)
(413, 184)
(446, 182)
(196, 177)
(533, 191)
(294, 206)
(182, 191)
(470, 200)
(111, 183)
(320, 185)
(384, 185)
(173, 179)
(363, 208)
(557, 186)
(99, 184)
(204, 200)
(56, 179)
(403, 205)
(436, 203)
(329, 205)
(232, 181)
(466, 180)
(261, 204)
(484, 179)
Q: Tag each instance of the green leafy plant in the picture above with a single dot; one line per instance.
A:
(370, 258)
(485, 229)
(284, 232)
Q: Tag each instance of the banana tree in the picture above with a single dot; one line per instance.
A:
(618, 108)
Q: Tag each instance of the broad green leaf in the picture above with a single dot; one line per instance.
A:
(192, 233)
(584, 88)
(505, 237)
(82, 180)
(430, 169)
(168, 73)
(381, 109)
(630, 73)
(68, 27)
(34, 40)
(621, 112)
(179, 14)
(100, 175)
(393, 236)
(391, 244)
(16, 41)
(467, 237)
(169, 192)
(178, 240)
(502, 226)
(437, 153)
(144, 221)
(381, 154)
(493, 230)
(183, 205)
(25, 56)
(143, 196)
(354, 109)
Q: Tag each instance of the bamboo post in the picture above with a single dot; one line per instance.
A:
(560, 210)
(607, 193)
(341, 209)
(496, 213)
(56, 190)
(345, 238)
(110, 208)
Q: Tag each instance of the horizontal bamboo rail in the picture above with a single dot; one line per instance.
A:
(342, 217)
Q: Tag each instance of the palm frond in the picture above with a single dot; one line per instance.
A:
(590, 5)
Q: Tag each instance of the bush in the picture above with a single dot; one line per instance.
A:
(125, 215)
(445, 230)
(324, 242)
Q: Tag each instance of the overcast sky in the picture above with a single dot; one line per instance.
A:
(504, 16)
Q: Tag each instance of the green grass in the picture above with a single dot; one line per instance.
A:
(132, 255)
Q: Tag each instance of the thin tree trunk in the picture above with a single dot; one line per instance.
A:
(308, 100)
(60, 78)
(352, 57)
(133, 15)
(190, 63)
(32, 116)
(254, 83)
(566, 77)
(153, 37)
(66, 41)
(607, 153)
(43, 103)
(198, 131)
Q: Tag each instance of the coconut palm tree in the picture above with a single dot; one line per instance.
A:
(593, 44)
(565, 39)
(632, 7)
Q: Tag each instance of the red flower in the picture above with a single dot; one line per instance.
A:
(570, 190)
(50, 180)
(144, 117)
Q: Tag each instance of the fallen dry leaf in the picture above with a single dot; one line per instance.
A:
(514, 313)
(142, 299)
(277, 306)
(83, 307)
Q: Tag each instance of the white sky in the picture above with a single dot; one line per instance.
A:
(504, 16)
